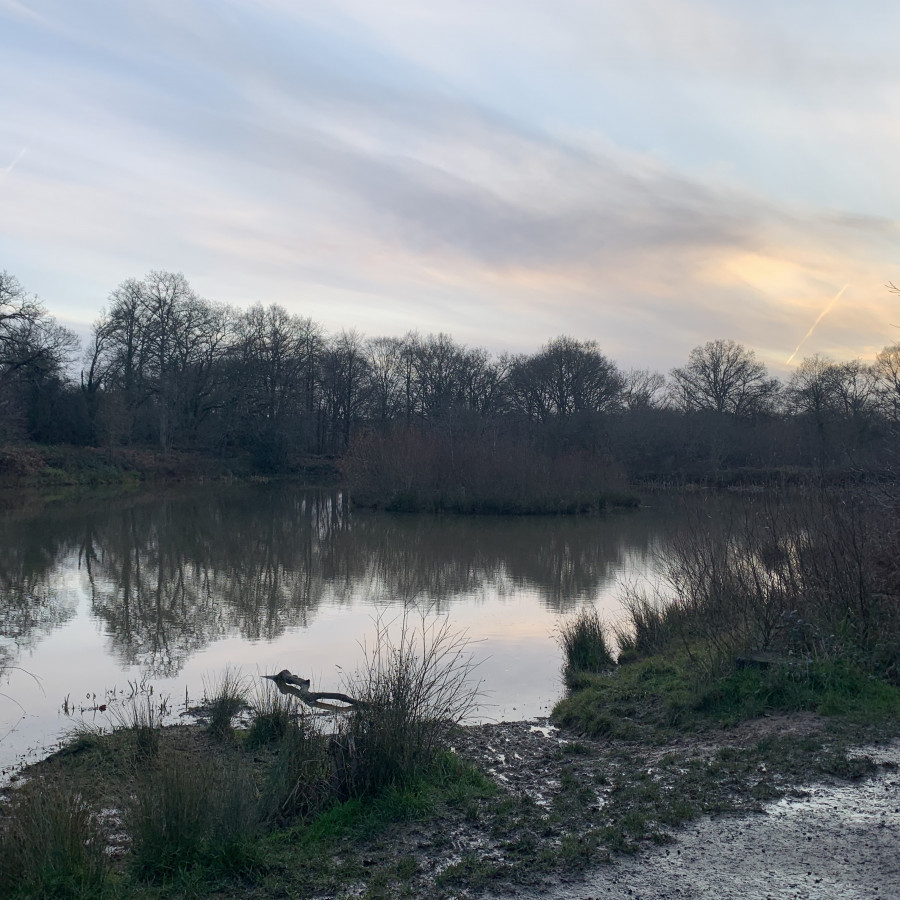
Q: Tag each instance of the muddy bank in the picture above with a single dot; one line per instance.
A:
(841, 841)
(835, 839)
(772, 808)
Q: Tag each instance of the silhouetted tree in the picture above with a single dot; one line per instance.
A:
(566, 377)
(723, 377)
(34, 353)
(886, 371)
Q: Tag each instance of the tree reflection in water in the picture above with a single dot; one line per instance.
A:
(169, 573)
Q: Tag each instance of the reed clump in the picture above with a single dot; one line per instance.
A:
(224, 697)
(585, 645)
(142, 717)
(413, 691)
(187, 811)
(271, 717)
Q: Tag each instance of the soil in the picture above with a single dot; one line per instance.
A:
(833, 839)
(841, 841)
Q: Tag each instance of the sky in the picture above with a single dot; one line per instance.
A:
(651, 175)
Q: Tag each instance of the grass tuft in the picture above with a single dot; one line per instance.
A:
(53, 846)
(141, 716)
(271, 716)
(414, 691)
(584, 643)
(225, 697)
(188, 812)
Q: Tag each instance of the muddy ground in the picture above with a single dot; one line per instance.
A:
(615, 820)
(835, 838)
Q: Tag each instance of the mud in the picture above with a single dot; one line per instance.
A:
(838, 840)
(841, 842)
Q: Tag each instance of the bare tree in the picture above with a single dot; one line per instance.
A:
(158, 350)
(385, 365)
(886, 371)
(34, 352)
(344, 381)
(566, 377)
(813, 388)
(643, 389)
(723, 377)
(29, 337)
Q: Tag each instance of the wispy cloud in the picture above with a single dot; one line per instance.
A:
(503, 172)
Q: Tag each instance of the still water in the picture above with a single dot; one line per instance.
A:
(170, 588)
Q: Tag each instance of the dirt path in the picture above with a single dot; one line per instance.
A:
(841, 842)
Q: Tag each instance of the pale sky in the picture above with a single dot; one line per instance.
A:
(649, 174)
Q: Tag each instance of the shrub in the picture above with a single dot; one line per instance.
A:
(803, 576)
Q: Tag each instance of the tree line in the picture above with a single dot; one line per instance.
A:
(166, 368)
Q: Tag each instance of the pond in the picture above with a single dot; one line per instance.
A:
(165, 590)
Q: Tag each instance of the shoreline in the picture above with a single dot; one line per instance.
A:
(555, 789)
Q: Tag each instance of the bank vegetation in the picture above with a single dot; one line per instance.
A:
(418, 421)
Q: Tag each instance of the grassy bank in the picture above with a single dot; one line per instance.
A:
(36, 466)
(211, 812)
(150, 812)
(791, 605)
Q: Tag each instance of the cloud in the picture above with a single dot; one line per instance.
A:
(378, 166)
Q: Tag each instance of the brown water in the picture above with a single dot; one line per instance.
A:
(168, 588)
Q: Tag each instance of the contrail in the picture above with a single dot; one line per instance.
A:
(14, 163)
(822, 315)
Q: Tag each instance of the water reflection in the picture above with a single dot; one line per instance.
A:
(168, 574)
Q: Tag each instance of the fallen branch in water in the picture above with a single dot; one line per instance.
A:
(287, 683)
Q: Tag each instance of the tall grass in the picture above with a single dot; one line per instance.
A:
(271, 716)
(53, 845)
(585, 644)
(187, 811)
(414, 690)
(142, 715)
(301, 783)
(224, 697)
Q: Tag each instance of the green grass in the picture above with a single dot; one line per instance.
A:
(829, 688)
(652, 699)
(271, 715)
(450, 782)
(225, 697)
